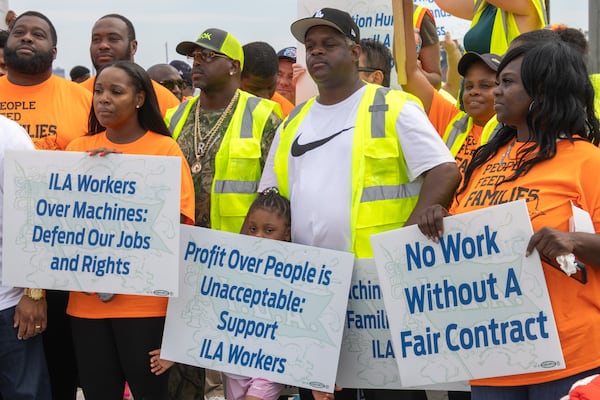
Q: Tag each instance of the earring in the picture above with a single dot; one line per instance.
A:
(138, 106)
(230, 73)
(531, 105)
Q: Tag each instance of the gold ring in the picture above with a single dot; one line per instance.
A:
(38, 327)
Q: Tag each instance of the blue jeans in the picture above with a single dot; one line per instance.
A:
(548, 390)
(23, 371)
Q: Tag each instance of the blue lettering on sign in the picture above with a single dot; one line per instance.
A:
(497, 334)
(455, 246)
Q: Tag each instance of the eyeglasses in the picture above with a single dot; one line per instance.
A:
(367, 69)
(173, 83)
(206, 55)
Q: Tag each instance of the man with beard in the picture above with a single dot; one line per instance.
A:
(113, 39)
(53, 111)
(31, 95)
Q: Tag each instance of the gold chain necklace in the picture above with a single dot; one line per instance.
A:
(201, 145)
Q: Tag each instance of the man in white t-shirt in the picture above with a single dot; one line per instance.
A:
(356, 160)
(22, 314)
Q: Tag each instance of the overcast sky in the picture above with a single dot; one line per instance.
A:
(160, 25)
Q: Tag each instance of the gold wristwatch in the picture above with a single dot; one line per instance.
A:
(34, 293)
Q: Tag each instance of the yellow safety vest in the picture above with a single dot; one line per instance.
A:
(505, 27)
(595, 79)
(237, 162)
(460, 126)
(382, 195)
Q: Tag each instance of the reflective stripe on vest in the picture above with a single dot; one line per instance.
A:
(175, 118)
(376, 193)
(461, 126)
(419, 13)
(234, 189)
(244, 187)
(456, 132)
(490, 130)
(246, 132)
(374, 208)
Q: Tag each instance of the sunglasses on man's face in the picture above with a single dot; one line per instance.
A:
(206, 55)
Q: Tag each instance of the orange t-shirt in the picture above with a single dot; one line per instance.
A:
(166, 98)
(441, 114)
(53, 112)
(84, 305)
(286, 105)
(548, 189)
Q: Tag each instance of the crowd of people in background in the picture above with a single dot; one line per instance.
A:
(300, 169)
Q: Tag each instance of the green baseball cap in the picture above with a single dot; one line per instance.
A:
(216, 40)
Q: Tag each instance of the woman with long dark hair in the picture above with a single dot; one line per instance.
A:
(113, 334)
(547, 154)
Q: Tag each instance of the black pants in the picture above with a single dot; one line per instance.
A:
(111, 351)
(58, 347)
(459, 395)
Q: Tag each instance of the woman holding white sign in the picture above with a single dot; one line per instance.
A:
(544, 154)
(113, 335)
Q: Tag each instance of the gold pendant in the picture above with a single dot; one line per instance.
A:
(196, 167)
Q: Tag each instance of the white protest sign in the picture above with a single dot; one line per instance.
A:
(367, 358)
(472, 306)
(96, 224)
(376, 21)
(258, 307)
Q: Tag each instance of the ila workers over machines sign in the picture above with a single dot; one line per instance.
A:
(470, 306)
(94, 224)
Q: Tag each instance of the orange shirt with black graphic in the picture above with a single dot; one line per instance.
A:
(84, 305)
(166, 98)
(53, 112)
(441, 114)
(548, 188)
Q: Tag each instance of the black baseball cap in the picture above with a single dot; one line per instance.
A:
(489, 59)
(287, 53)
(337, 19)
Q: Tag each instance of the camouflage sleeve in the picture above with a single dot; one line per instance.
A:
(267, 137)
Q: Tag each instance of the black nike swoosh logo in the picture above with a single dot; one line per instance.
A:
(299, 149)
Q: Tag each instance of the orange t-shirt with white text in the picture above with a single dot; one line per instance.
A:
(548, 188)
(84, 305)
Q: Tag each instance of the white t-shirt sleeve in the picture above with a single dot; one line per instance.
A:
(422, 146)
(268, 178)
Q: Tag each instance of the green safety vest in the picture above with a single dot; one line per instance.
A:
(382, 195)
(505, 27)
(595, 79)
(237, 162)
